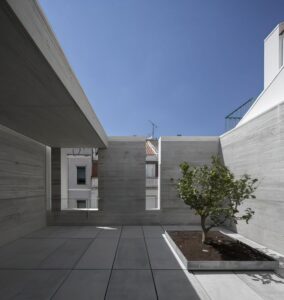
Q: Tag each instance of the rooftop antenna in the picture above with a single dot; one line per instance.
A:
(154, 126)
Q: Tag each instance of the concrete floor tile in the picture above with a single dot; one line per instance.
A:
(30, 284)
(161, 257)
(131, 284)
(109, 232)
(100, 254)
(132, 232)
(173, 284)
(131, 254)
(88, 232)
(42, 233)
(84, 285)
(27, 253)
(225, 285)
(153, 231)
(66, 256)
(59, 232)
(66, 232)
(266, 284)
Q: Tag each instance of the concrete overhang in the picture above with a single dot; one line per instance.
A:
(40, 96)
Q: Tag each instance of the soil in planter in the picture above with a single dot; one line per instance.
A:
(219, 247)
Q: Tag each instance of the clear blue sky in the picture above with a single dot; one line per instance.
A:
(183, 64)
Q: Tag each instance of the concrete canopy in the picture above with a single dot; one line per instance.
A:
(40, 96)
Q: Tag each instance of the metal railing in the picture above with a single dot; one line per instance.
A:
(233, 118)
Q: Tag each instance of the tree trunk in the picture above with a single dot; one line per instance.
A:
(204, 229)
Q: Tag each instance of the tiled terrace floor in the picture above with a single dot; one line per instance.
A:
(132, 262)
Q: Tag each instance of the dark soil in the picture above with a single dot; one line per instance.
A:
(219, 247)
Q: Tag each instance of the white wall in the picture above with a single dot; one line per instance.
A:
(272, 55)
(273, 93)
(70, 191)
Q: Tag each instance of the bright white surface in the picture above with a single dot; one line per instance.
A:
(273, 93)
(272, 96)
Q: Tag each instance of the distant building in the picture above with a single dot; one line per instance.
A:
(79, 178)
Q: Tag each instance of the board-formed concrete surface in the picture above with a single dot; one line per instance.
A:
(257, 148)
(122, 189)
(23, 187)
(91, 263)
(121, 181)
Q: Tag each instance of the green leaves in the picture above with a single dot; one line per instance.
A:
(214, 192)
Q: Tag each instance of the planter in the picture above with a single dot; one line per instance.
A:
(221, 253)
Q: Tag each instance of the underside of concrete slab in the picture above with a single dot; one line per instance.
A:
(40, 95)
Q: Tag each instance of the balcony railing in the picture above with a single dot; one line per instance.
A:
(233, 118)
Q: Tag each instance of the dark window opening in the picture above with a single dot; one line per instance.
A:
(81, 204)
(81, 175)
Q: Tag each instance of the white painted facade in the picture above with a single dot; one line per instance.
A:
(273, 93)
(73, 194)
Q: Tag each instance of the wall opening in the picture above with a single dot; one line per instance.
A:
(79, 179)
(151, 169)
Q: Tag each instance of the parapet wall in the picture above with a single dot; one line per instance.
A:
(122, 182)
(257, 148)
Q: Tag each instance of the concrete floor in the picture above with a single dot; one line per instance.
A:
(132, 262)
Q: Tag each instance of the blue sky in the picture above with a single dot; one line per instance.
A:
(182, 64)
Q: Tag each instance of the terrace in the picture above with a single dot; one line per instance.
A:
(124, 262)
(56, 245)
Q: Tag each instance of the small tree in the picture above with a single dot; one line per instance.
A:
(214, 193)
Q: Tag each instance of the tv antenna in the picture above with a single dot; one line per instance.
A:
(154, 126)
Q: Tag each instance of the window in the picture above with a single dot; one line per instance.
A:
(81, 204)
(81, 175)
(151, 170)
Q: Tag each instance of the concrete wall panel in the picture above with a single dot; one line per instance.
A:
(174, 151)
(122, 179)
(257, 148)
(22, 185)
(122, 183)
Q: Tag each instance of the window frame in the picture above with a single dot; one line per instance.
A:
(80, 181)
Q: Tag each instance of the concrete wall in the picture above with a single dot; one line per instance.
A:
(22, 185)
(257, 148)
(121, 172)
(122, 182)
(174, 151)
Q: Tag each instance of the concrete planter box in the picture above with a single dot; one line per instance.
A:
(223, 265)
